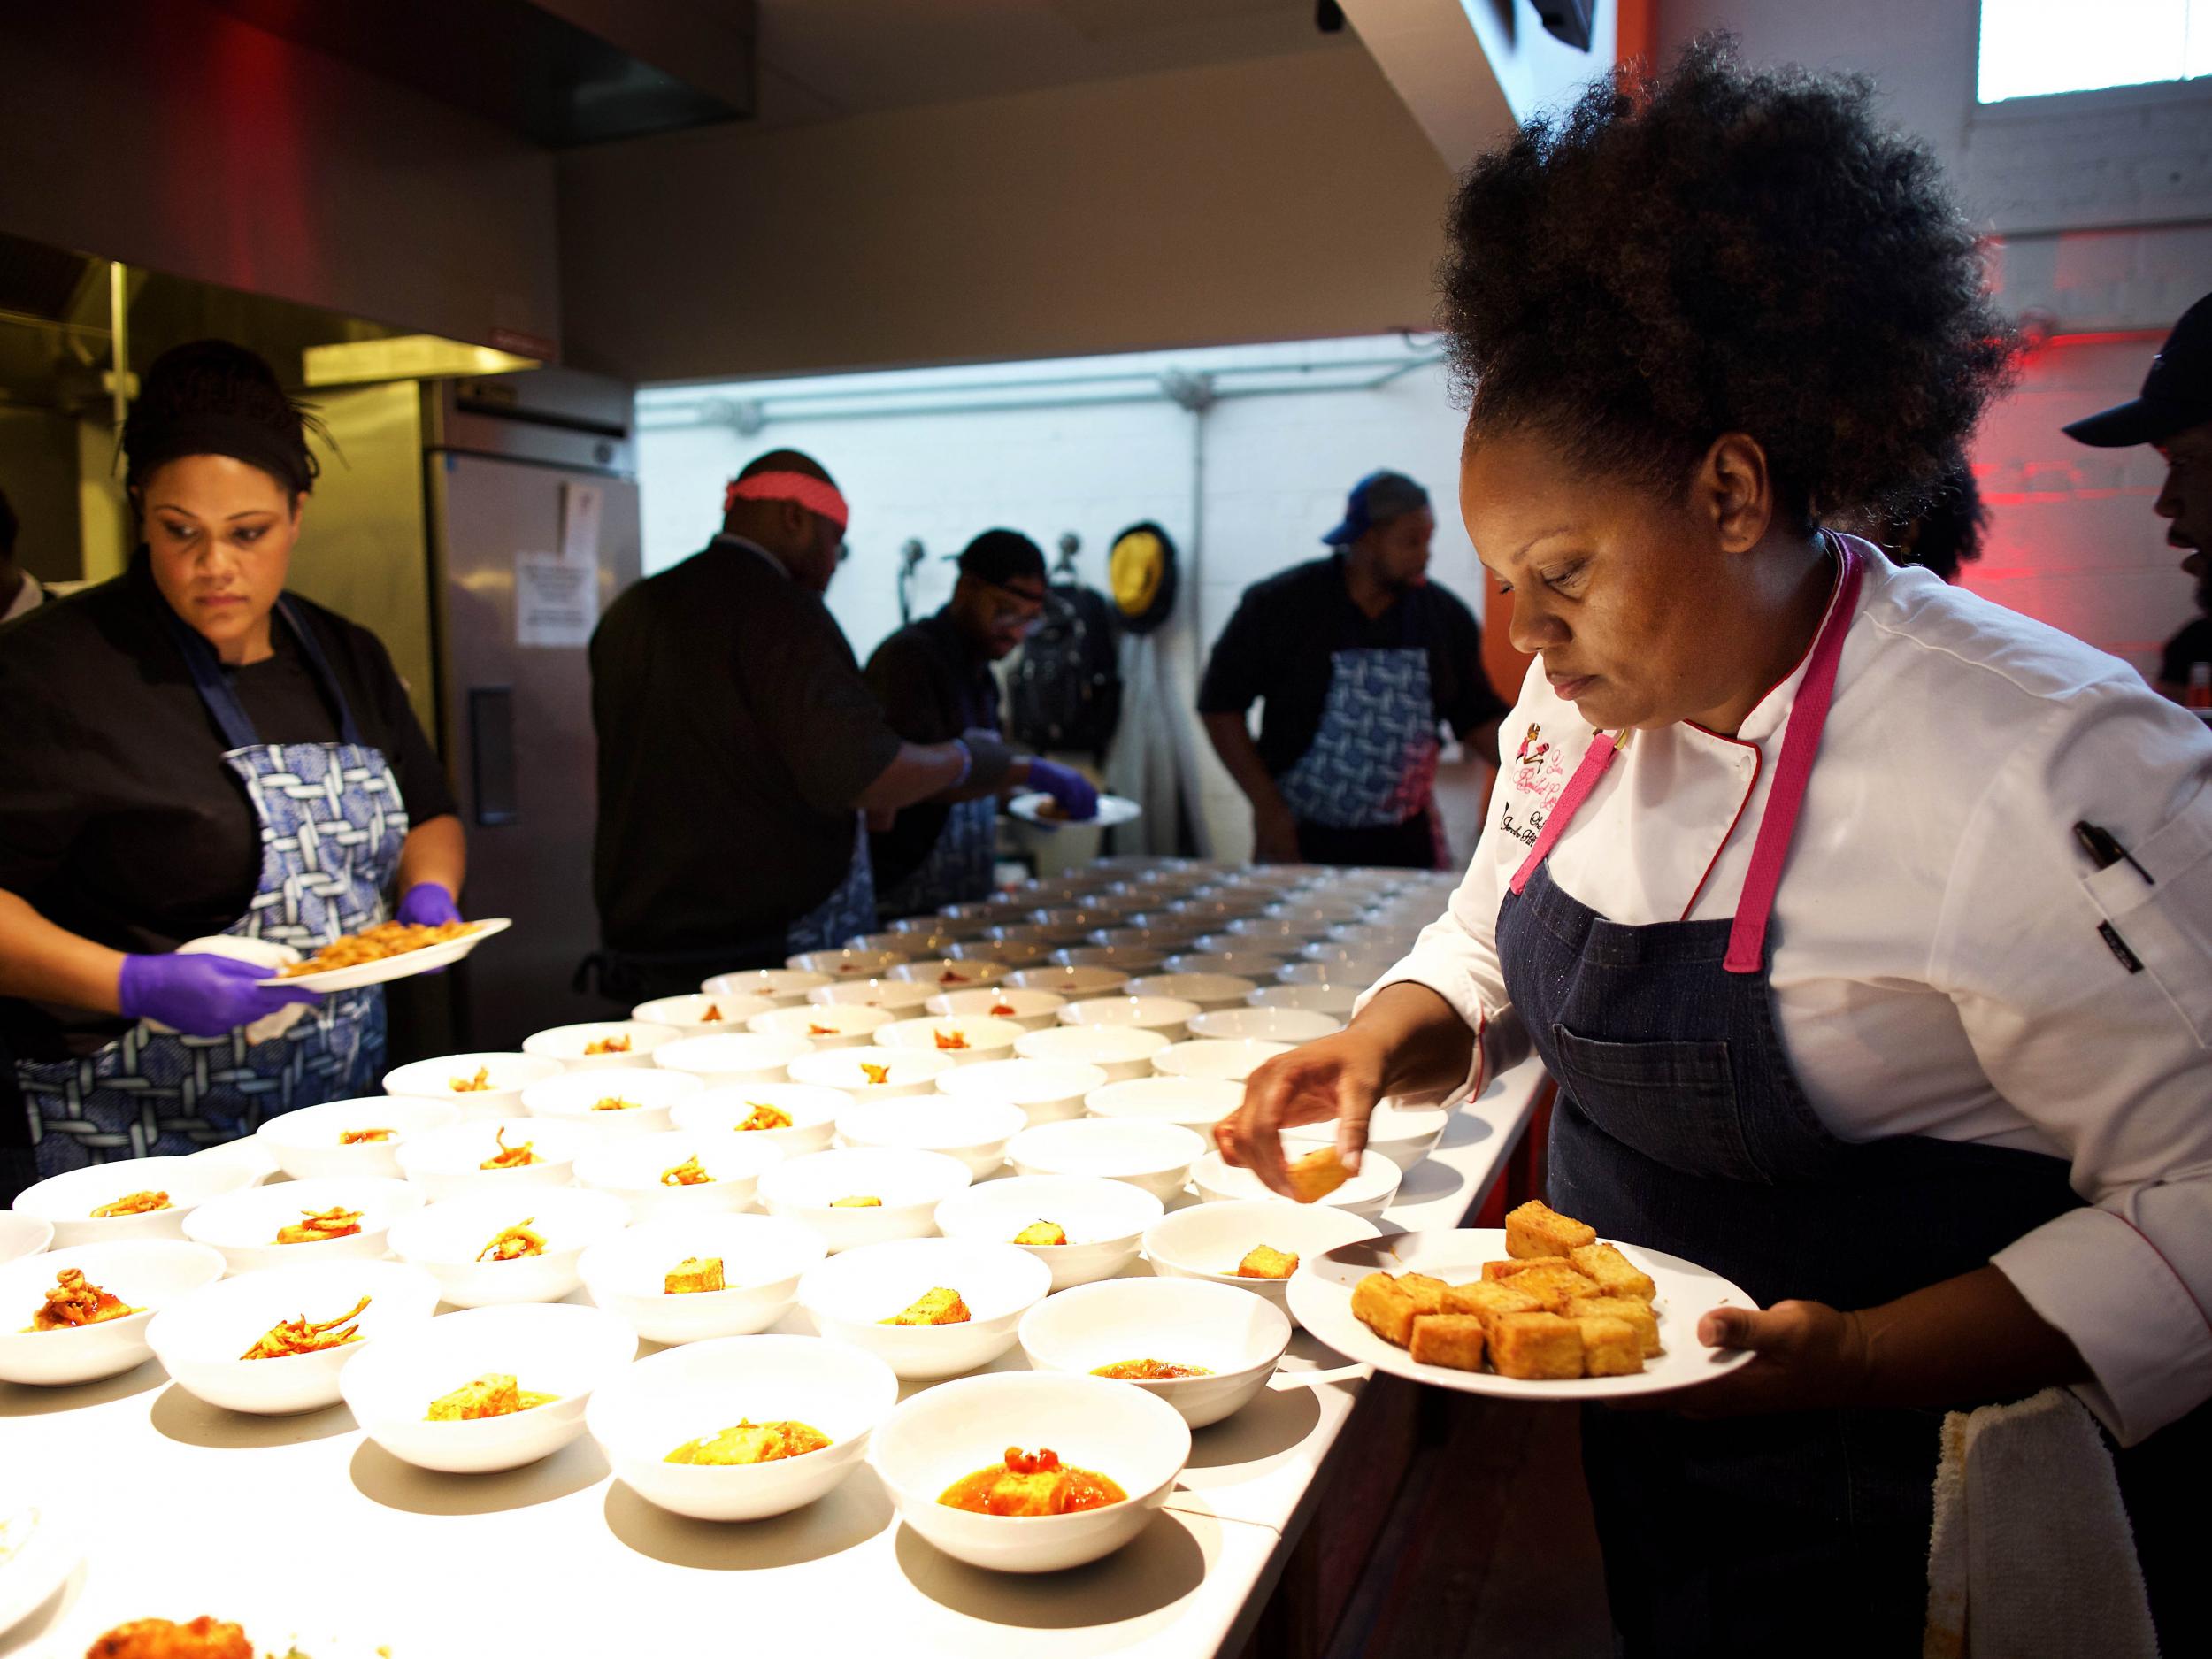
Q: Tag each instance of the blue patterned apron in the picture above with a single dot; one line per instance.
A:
(332, 823)
(849, 911)
(1372, 761)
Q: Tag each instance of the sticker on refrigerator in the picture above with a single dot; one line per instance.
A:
(579, 521)
(557, 604)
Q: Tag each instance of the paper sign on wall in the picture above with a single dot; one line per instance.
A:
(579, 521)
(557, 602)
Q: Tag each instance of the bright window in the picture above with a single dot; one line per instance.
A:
(2032, 48)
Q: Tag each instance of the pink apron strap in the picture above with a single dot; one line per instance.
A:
(1800, 742)
(1595, 759)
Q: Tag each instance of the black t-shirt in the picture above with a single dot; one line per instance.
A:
(1277, 645)
(118, 819)
(735, 738)
(932, 687)
(2192, 644)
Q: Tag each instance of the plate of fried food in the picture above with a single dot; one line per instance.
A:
(1038, 808)
(1540, 1310)
(387, 950)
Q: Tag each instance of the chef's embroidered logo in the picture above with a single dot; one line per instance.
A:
(1531, 752)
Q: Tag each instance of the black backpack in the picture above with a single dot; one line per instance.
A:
(1066, 692)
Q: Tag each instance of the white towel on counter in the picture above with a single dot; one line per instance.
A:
(2031, 1556)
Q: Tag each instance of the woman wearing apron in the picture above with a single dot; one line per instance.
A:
(1787, 889)
(191, 752)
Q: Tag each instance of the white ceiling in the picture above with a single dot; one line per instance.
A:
(821, 59)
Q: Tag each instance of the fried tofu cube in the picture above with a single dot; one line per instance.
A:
(857, 1202)
(1637, 1313)
(1611, 1347)
(1552, 1285)
(1536, 1347)
(1508, 1269)
(1488, 1299)
(1263, 1263)
(1537, 1229)
(1389, 1306)
(1448, 1339)
(1043, 1233)
(933, 1307)
(1614, 1273)
(1317, 1175)
(693, 1274)
(492, 1395)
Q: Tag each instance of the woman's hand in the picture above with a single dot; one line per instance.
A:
(1338, 1077)
(1807, 1357)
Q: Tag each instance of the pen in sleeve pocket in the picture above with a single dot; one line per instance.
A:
(2105, 851)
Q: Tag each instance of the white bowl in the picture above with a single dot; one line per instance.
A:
(22, 1235)
(943, 1433)
(1048, 933)
(246, 1153)
(1225, 1062)
(901, 998)
(762, 1258)
(201, 1339)
(1367, 1194)
(1360, 958)
(739, 1058)
(631, 1169)
(782, 987)
(911, 1184)
(898, 944)
(1104, 1221)
(1333, 999)
(507, 1074)
(1273, 952)
(1196, 1103)
(1072, 984)
(661, 1402)
(305, 1143)
(147, 1274)
(567, 1043)
(1255, 966)
(974, 1131)
(1304, 972)
(1157, 936)
(1404, 1134)
(1298, 928)
(905, 1071)
(983, 1038)
(1032, 1011)
(1208, 990)
(1125, 959)
(823, 1026)
(1046, 1090)
(1119, 1051)
(813, 1114)
(1289, 1025)
(1237, 1338)
(1156, 1157)
(68, 1200)
(244, 1224)
(850, 1296)
(950, 973)
(651, 1094)
(1168, 1014)
(688, 1013)
(447, 1238)
(566, 1352)
(1208, 1240)
(847, 964)
(449, 1162)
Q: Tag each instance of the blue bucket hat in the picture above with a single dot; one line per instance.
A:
(1376, 499)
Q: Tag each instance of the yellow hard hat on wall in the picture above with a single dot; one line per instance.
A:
(1141, 571)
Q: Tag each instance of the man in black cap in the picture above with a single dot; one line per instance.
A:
(934, 680)
(1356, 659)
(2174, 414)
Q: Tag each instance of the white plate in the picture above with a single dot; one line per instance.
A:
(1112, 809)
(1321, 1300)
(38, 1549)
(405, 965)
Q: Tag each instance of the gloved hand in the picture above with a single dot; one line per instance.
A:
(203, 996)
(1076, 795)
(427, 905)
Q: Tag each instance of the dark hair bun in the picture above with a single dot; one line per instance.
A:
(1722, 250)
(214, 397)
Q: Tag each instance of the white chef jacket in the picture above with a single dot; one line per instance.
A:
(1937, 966)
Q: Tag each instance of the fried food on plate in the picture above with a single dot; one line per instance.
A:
(1317, 1175)
(1448, 1339)
(1614, 1273)
(1638, 1315)
(1537, 1229)
(205, 1637)
(1536, 1347)
(374, 944)
(1388, 1306)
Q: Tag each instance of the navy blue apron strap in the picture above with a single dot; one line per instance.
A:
(319, 664)
(221, 699)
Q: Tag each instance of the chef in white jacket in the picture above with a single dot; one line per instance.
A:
(1865, 925)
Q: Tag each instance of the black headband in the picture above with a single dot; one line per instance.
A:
(150, 444)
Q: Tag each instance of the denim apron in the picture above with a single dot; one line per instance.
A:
(332, 823)
(1372, 761)
(1681, 1125)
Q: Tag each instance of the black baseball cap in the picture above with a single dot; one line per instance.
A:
(997, 555)
(2177, 393)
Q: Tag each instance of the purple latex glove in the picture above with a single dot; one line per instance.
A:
(1077, 796)
(202, 996)
(428, 904)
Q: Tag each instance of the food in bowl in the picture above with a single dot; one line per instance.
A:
(762, 1117)
(510, 1157)
(316, 1227)
(1317, 1175)
(1148, 1370)
(617, 1044)
(481, 1081)
(876, 1075)
(133, 1204)
(948, 1041)
(494, 1394)
(855, 1204)
(375, 944)
(205, 1637)
(1032, 1484)
(752, 1443)
(815, 1028)
(934, 1307)
(362, 1137)
(1260, 1262)
(304, 1335)
(693, 1275)
(512, 1244)
(1001, 1010)
(711, 1014)
(75, 1301)
(689, 1173)
(613, 1103)
(1043, 1233)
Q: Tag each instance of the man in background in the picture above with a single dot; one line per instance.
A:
(20, 590)
(1355, 658)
